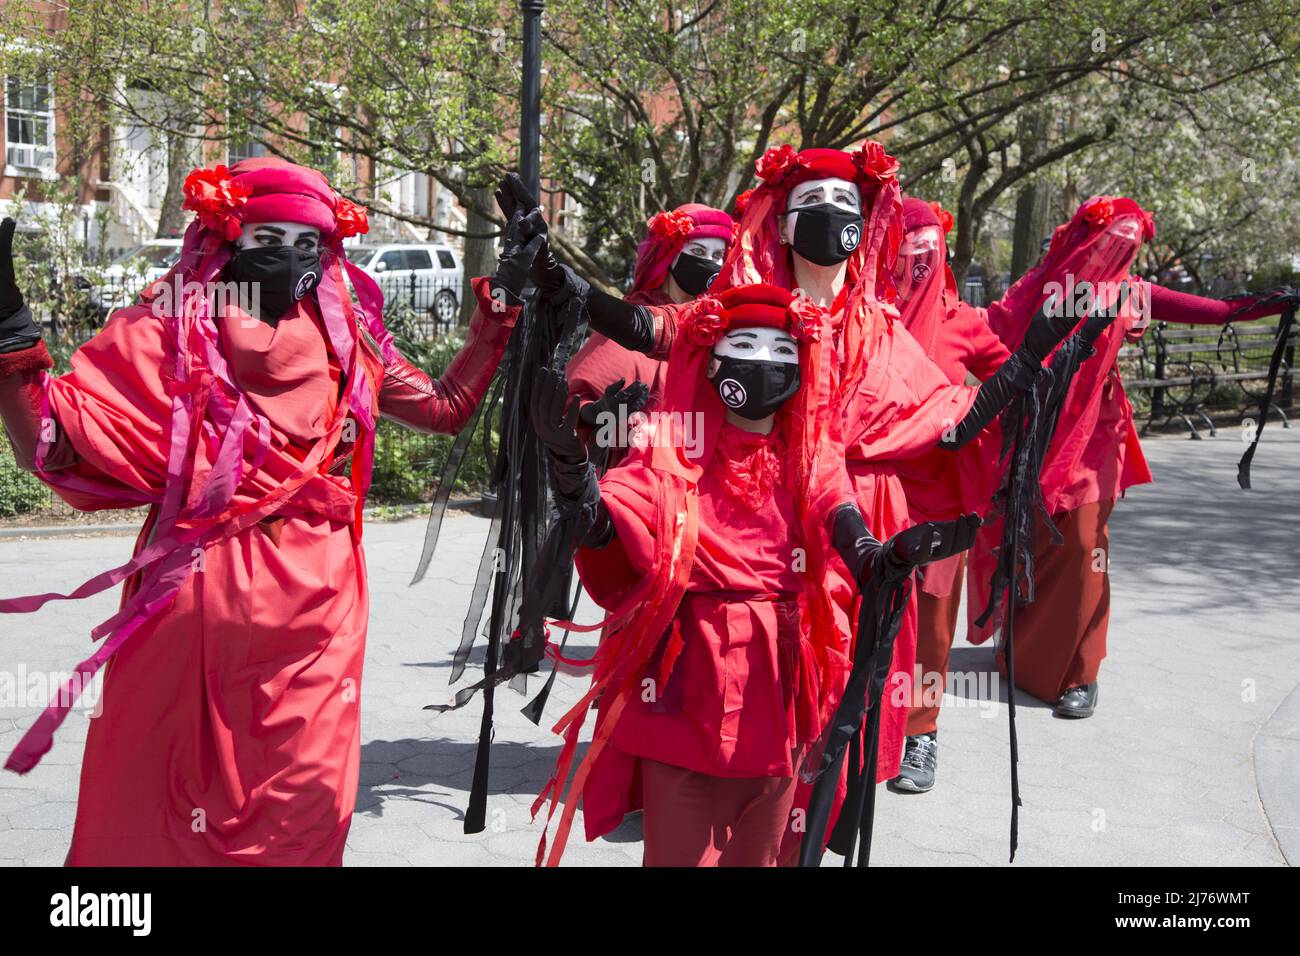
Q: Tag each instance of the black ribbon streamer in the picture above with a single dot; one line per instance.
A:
(546, 334)
(1284, 330)
(1028, 425)
(884, 598)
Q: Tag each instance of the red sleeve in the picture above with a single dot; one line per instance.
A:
(608, 573)
(904, 403)
(1168, 305)
(443, 406)
(985, 352)
(20, 408)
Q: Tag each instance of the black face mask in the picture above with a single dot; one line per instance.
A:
(694, 274)
(283, 275)
(754, 389)
(826, 234)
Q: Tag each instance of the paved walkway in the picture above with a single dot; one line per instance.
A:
(1205, 648)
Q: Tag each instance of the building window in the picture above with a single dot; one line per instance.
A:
(239, 149)
(29, 126)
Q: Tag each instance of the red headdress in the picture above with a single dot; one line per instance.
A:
(925, 283)
(758, 256)
(671, 467)
(668, 233)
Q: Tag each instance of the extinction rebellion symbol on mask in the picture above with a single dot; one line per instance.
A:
(304, 285)
(850, 237)
(732, 392)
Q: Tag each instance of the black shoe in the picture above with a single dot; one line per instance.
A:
(920, 760)
(1077, 702)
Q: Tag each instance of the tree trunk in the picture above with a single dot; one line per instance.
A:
(171, 217)
(480, 254)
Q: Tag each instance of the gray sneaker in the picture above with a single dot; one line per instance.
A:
(920, 760)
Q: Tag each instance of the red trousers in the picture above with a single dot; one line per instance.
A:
(936, 623)
(1060, 639)
(695, 819)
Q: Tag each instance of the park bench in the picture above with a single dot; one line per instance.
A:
(1182, 368)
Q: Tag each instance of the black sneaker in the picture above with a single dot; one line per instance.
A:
(920, 760)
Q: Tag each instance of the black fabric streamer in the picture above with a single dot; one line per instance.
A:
(883, 600)
(546, 334)
(1284, 329)
(1028, 425)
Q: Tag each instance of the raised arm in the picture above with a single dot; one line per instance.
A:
(1168, 305)
(23, 361)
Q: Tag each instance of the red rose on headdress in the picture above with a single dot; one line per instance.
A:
(742, 203)
(217, 198)
(806, 318)
(945, 217)
(352, 219)
(672, 225)
(777, 162)
(1099, 211)
(703, 321)
(875, 163)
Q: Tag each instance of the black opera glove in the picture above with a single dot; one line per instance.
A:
(634, 397)
(18, 329)
(555, 420)
(868, 559)
(1016, 375)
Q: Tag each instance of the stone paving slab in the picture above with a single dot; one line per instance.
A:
(1204, 650)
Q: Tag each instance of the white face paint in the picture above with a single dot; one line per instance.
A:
(838, 192)
(758, 343)
(299, 235)
(710, 248)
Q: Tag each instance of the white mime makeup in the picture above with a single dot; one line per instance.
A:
(837, 192)
(758, 343)
(710, 248)
(299, 235)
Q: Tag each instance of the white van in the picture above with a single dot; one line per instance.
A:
(426, 276)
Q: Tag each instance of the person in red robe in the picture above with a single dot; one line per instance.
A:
(1095, 455)
(938, 484)
(238, 401)
(828, 223)
(676, 262)
(716, 559)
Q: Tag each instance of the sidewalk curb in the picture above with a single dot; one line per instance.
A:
(1276, 753)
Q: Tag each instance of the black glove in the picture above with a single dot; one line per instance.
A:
(555, 419)
(634, 397)
(1046, 331)
(935, 540)
(513, 198)
(516, 259)
(18, 330)
(1016, 374)
(868, 559)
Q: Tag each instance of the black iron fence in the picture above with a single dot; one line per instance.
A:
(1173, 374)
(1192, 373)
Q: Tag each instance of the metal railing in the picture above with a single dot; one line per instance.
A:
(1188, 372)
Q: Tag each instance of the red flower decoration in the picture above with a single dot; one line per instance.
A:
(945, 217)
(217, 198)
(742, 203)
(672, 225)
(806, 318)
(703, 321)
(778, 162)
(1099, 211)
(875, 163)
(352, 219)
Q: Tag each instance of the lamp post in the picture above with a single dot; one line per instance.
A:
(530, 97)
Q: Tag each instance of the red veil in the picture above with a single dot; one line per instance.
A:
(1095, 453)
(661, 477)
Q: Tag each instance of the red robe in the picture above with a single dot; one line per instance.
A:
(741, 700)
(230, 724)
(899, 411)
